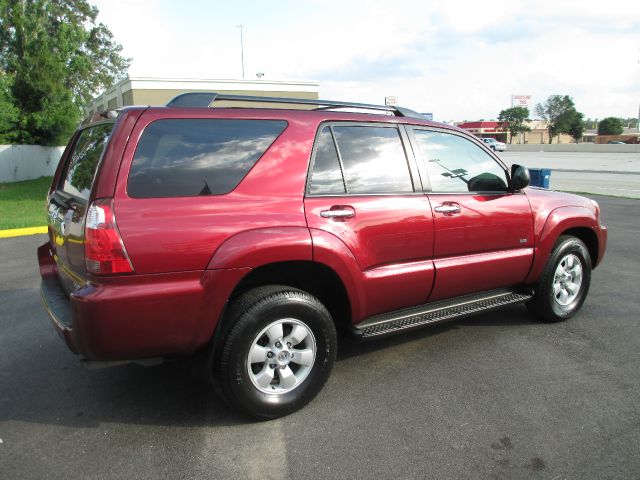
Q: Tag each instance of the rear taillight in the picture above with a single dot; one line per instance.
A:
(103, 248)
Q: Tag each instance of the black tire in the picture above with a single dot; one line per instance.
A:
(250, 314)
(492, 148)
(545, 305)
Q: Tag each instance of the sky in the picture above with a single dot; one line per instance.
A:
(459, 59)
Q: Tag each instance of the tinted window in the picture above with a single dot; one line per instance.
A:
(326, 178)
(189, 157)
(455, 164)
(373, 159)
(79, 173)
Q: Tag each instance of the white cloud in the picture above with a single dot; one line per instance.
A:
(460, 60)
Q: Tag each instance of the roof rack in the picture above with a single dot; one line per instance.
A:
(206, 99)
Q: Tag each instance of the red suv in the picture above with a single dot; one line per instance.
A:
(253, 234)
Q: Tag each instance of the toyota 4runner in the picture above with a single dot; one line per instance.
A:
(252, 235)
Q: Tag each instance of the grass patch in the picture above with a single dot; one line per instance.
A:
(22, 204)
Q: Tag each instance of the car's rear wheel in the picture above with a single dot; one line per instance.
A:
(492, 147)
(278, 353)
(564, 282)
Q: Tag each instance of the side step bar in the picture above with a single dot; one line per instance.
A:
(436, 312)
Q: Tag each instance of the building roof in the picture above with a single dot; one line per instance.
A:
(154, 83)
(484, 125)
(177, 85)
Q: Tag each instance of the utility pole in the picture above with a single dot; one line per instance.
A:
(241, 27)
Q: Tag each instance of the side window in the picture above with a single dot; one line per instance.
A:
(326, 178)
(373, 159)
(455, 164)
(80, 171)
(190, 157)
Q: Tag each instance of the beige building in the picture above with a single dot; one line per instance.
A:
(493, 129)
(540, 134)
(158, 91)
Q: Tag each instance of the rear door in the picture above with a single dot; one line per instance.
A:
(483, 232)
(67, 203)
(363, 191)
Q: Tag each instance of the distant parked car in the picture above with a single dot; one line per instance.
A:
(495, 145)
(616, 142)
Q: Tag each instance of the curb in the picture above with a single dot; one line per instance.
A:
(19, 232)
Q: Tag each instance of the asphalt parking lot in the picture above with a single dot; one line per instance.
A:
(494, 396)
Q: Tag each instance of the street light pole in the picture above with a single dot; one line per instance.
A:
(241, 26)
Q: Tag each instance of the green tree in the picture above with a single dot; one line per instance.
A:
(512, 120)
(610, 126)
(57, 58)
(558, 111)
(8, 111)
(576, 126)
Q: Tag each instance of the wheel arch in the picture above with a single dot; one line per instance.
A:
(589, 238)
(312, 277)
(568, 220)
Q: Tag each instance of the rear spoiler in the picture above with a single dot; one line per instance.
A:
(109, 114)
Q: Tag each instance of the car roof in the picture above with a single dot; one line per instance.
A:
(207, 104)
(296, 114)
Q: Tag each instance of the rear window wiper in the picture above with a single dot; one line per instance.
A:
(206, 190)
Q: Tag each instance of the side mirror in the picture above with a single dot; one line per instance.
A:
(520, 177)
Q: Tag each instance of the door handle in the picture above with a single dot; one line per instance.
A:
(448, 208)
(338, 213)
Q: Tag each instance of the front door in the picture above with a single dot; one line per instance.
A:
(483, 232)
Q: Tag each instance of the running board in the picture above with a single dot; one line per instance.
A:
(436, 312)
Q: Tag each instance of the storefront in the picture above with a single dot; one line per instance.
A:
(488, 129)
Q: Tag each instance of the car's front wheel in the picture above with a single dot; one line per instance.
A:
(278, 353)
(564, 283)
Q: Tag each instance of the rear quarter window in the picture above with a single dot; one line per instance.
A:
(190, 157)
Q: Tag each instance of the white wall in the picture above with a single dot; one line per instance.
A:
(26, 162)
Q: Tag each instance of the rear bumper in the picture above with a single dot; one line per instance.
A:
(54, 300)
(58, 308)
(137, 316)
